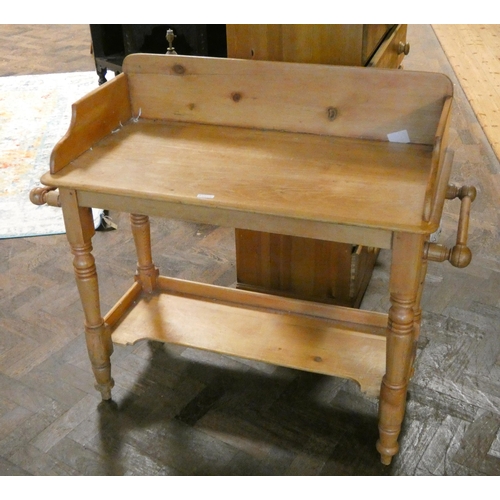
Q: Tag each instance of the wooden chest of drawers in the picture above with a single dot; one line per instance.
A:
(338, 44)
(329, 272)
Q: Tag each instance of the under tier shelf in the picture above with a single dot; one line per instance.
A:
(318, 338)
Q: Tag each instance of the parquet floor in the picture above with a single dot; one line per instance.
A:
(474, 51)
(185, 412)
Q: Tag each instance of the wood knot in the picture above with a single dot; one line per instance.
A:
(318, 359)
(236, 96)
(331, 112)
(179, 69)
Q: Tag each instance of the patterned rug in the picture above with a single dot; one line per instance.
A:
(35, 112)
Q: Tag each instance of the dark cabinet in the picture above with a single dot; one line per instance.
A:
(111, 43)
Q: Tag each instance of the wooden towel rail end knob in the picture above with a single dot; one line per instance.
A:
(45, 195)
(460, 255)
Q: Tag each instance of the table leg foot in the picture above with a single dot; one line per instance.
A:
(391, 413)
(105, 390)
(100, 348)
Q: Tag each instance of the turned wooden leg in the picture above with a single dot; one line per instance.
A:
(79, 230)
(147, 273)
(406, 273)
(417, 319)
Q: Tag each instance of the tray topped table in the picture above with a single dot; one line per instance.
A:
(295, 149)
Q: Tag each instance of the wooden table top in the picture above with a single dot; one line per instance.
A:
(303, 176)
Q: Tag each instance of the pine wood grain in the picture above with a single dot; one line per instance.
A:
(292, 96)
(92, 118)
(317, 178)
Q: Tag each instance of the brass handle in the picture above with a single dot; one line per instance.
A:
(404, 48)
(460, 255)
(170, 40)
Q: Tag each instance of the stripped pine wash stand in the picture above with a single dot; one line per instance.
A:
(289, 148)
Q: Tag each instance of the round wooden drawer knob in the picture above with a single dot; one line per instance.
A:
(404, 48)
